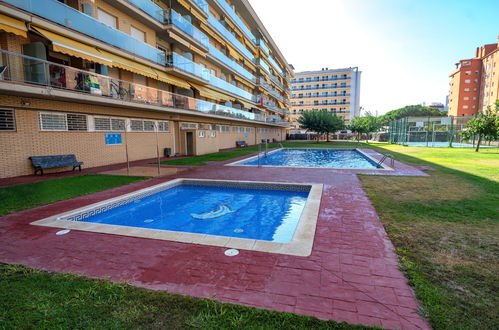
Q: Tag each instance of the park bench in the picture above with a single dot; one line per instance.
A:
(241, 144)
(42, 162)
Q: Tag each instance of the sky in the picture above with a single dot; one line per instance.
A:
(406, 49)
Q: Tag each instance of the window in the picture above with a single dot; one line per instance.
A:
(76, 122)
(149, 125)
(137, 34)
(136, 125)
(107, 18)
(117, 124)
(102, 124)
(7, 120)
(163, 126)
(467, 81)
(53, 122)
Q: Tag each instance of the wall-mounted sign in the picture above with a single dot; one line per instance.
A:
(113, 138)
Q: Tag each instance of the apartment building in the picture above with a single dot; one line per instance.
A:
(103, 78)
(335, 90)
(474, 84)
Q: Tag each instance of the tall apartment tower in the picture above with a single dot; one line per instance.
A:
(335, 90)
(474, 85)
(97, 78)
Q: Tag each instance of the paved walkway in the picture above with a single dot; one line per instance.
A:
(352, 274)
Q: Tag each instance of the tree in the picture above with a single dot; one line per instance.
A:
(365, 125)
(485, 126)
(411, 111)
(321, 122)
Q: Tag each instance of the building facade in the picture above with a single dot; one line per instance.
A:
(474, 85)
(100, 79)
(335, 90)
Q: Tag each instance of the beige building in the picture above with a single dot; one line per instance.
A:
(96, 78)
(335, 90)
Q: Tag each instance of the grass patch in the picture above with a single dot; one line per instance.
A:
(26, 196)
(445, 229)
(36, 299)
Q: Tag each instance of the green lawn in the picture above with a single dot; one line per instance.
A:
(32, 299)
(26, 196)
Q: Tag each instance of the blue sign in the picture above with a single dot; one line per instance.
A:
(113, 138)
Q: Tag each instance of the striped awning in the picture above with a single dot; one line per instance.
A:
(12, 25)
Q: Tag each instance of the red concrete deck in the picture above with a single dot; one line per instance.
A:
(352, 274)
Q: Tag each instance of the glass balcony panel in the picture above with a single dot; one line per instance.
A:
(264, 47)
(184, 25)
(220, 28)
(230, 62)
(275, 65)
(58, 12)
(236, 19)
(150, 8)
(202, 4)
(217, 82)
(30, 70)
(184, 64)
(263, 64)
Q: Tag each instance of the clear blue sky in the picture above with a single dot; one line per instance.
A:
(406, 49)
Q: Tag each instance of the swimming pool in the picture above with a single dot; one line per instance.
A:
(318, 158)
(237, 214)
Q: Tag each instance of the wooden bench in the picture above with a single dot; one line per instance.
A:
(241, 144)
(42, 162)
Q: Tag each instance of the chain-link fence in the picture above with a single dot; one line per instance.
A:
(432, 132)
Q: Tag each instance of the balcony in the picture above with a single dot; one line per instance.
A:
(236, 19)
(58, 12)
(319, 96)
(220, 83)
(276, 81)
(263, 46)
(276, 66)
(270, 89)
(150, 8)
(229, 36)
(177, 20)
(203, 5)
(177, 61)
(33, 71)
(263, 64)
(320, 104)
(213, 51)
(295, 81)
(295, 88)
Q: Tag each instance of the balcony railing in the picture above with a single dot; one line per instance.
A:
(276, 66)
(186, 26)
(319, 104)
(319, 96)
(34, 71)
(58, 12)
(230, 62)
(202, 4)
(220, 28)
(295, 88)
(220, 83)
(270, 89)
(263, 46)
(150, 8)
(297, 81)
(262, 63)
(178, 61)
(276, 81)
(236, 19)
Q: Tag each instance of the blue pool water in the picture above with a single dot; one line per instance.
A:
(347, 158)
(262, 214)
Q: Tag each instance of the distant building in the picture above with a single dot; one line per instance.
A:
(474, 85)
(335, 90)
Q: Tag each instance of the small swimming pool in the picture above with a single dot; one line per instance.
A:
(322, 158)
(239, 214)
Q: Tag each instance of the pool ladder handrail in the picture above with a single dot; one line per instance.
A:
(385, 156)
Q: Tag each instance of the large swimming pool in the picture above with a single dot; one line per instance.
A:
(240, 214)
(325, 158)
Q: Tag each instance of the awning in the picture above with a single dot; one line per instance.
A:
(236, 29)
(249, 44)
(171, 79)
(12, 25)
(193, 11)
(203, 91)
(281, 104)
(233, 53)
(194, 49)
(129, 65)
(247, 105)
(249, 64)
(74, 48)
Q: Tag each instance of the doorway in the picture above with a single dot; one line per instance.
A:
(189, 143)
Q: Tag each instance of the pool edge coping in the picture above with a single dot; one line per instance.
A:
(383, 166)
(300, 245)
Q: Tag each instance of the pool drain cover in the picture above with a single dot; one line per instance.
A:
(231, 252)
(239, 230)
(63, 232)
(148, 220)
